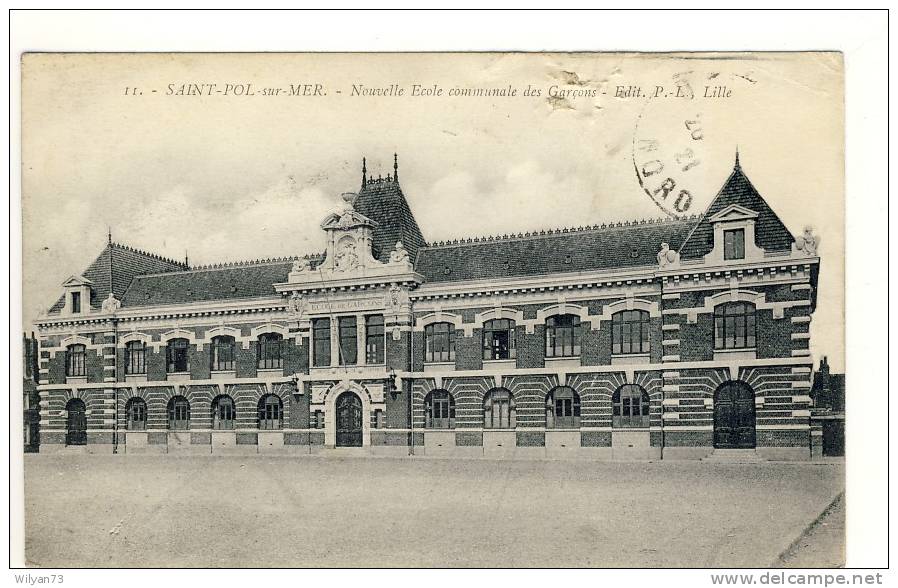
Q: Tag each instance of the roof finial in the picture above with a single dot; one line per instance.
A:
(109, 234)
(395, 167)
(364, 173)
(186, 259)
(738, 166)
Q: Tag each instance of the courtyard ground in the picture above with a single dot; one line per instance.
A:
(823, 544)
(283, 511)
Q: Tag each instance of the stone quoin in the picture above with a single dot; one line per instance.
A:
(646, 339)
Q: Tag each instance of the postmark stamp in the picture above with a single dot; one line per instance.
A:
(673, 141)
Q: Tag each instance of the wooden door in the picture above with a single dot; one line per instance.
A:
(734, 416)
(76, 423)
(349, 420)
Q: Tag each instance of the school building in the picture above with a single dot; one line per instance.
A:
(659, 339)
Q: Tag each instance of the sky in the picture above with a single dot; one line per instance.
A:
(224, 177)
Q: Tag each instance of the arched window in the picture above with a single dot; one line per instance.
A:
(136, 413)
(76, 422)
(271, 411)
(222, 353)
(562, 408)
(498, 339)
(178, 414)
(268, 351)
(630, 407)
(74, 360)
(498, 409)
(439, 342)
(734, 325)
(563, 335)
(176, 353)
(136, 357)
(223, 412)
(439, 410)
(630, 332)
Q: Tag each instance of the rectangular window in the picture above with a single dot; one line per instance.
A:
(223, 354)
(321, 335)
(498, 339)
(349, 340)
(76, 302)
(268, 352)
(563, 336)
(177, 356)
(378, 418)
(630, 332)
(374, 339)
(734, 326)
(75, 364)
(135, 358)
(439, 342)
(734, 244)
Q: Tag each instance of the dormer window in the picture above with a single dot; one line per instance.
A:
(77, 295)
(734, 235)
(734, 244)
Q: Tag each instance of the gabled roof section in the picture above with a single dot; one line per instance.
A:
(615, 246)
(113, 270)
(76, 280)
(733, 212)
(738, 194)
(382, 200)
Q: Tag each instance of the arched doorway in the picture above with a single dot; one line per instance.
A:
(349, 420)
(734, 416)
(76, 422)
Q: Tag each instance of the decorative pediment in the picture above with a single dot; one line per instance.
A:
(75, 281)
(348, 259)
(734, 212)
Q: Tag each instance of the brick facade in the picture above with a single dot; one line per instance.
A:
(672, 384)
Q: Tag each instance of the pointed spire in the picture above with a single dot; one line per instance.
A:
(737, 166)
(364, 173)
(395, 167)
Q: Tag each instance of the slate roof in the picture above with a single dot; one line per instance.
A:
(138, 278)
(630, 244)
(115, 268)
(770, 232)
(223, 282)
(382, 201)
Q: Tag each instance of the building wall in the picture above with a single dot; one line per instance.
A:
(680, 374)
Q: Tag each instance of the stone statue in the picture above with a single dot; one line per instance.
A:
(295, 305)
(347, 220)
(667, 256)
(111, 304)
(807, 243)
(347, 259)
(396, 297)
(399, 253)
(301, 265)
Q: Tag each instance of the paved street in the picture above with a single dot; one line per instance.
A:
(345, 511)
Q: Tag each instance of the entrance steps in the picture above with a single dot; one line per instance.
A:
(734, 456)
